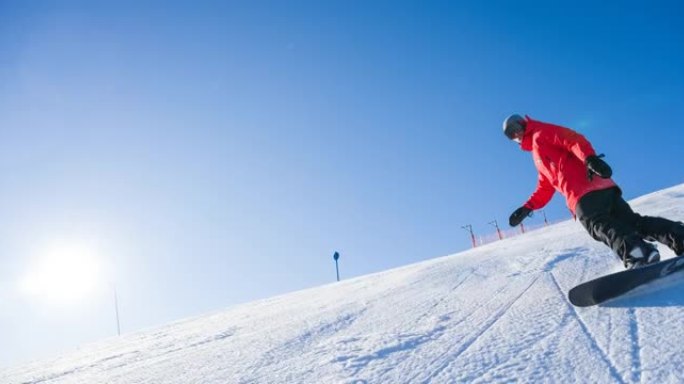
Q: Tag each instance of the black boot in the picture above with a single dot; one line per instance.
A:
(678, 238)
(642, 255)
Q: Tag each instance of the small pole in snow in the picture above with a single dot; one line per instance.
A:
(545, 220)
(498, 230)
(336, 256)
(116, 309)
(522, 227)
(469, 228)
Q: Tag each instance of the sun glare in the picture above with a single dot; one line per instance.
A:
(65, 273)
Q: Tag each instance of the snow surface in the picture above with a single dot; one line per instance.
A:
(498, 313)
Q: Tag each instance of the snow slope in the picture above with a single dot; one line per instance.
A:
(497, 313)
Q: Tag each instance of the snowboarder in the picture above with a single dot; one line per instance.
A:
(567, 162)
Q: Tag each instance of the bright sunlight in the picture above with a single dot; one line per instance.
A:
(63, 273)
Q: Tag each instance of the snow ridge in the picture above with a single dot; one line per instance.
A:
(497, 313)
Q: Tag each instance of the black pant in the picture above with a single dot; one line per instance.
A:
(609, 219)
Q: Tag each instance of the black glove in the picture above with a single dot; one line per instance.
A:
(597, 166)
(519, 215)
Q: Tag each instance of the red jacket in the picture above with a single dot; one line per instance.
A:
(559, 154)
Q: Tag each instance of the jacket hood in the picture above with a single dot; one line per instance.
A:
(526, 143)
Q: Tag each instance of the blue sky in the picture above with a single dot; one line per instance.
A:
(216, 153)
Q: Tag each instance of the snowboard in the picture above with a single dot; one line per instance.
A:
(611, 286)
